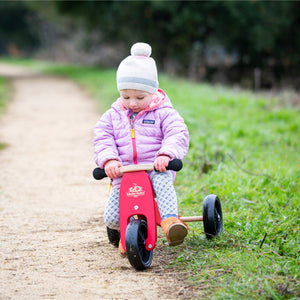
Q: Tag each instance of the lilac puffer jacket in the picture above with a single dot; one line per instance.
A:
(157, 130)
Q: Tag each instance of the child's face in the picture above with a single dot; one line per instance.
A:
(135, 100)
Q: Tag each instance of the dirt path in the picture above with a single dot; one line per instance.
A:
(53, 242)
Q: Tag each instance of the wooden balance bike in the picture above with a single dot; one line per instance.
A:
(139, 215)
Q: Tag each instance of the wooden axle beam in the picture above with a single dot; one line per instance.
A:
(191, 219)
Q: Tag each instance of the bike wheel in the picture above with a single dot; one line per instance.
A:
(136, 234)
(212, 216)
(113, 236)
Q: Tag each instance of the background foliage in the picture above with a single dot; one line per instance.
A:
(211, 40)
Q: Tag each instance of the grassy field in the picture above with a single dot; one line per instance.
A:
(4, 97)
(4, 93)
(246, 149)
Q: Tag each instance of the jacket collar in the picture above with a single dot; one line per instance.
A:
(158, 99)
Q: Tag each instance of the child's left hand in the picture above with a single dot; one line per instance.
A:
(161, 162)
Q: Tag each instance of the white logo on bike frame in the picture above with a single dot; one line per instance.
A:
(135, 191)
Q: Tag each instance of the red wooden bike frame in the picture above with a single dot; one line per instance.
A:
(137, 200)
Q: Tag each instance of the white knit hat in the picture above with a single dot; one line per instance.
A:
(138, 71)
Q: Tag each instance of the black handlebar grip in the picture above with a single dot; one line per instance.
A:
(175, 165)
(99, 174)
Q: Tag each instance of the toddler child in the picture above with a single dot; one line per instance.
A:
(142, 127)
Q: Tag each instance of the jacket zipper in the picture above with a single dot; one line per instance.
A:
(133, 141)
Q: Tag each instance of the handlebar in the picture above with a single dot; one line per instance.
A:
(174, 165)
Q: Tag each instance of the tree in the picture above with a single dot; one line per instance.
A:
(261, 34)
(257, 30)
(16, 35)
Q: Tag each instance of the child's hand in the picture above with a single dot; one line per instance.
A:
(161, 162)
(112, 168)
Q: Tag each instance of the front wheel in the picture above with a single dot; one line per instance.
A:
(212, 216)
(136, 234)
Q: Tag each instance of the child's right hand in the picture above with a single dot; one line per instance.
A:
(112, 168)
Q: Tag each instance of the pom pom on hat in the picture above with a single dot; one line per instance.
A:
(138, 70)
(141, 49)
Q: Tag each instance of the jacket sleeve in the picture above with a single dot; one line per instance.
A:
(175, 143)
(104, 143)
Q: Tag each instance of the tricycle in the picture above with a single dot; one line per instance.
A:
(139, 215)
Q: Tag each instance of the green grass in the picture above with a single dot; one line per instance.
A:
(4, 98)
(232, 135)
(244, 148)
(4, 93)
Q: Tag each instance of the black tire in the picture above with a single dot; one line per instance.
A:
(212, 216)
(113, 236)
(136, 234)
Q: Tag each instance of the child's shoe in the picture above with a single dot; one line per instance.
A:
(121, 249)
(175, 230)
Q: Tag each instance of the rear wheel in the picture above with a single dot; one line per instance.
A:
(136, 234)
(212, 216)
(113, 236)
